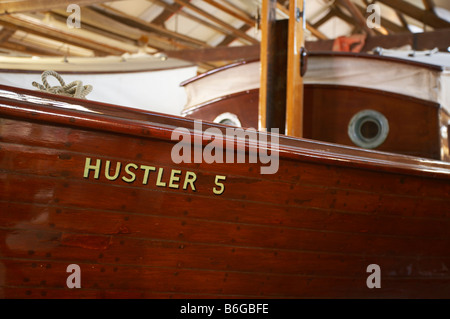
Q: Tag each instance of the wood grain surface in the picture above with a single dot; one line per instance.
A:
(308, 231)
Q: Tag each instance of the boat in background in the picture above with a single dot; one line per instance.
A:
(410, 95)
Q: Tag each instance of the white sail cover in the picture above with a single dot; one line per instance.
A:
(143, 82)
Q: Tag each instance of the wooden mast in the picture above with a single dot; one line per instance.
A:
(281, 89)
(294, 87)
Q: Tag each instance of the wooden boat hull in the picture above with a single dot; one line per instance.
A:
(308, 231)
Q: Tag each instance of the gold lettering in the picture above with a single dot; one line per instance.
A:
(131, 174)
(190, 179)
(158, 181)
(132, 177)
(116, 173)
(88, 167)
(222, 187)
(147, 170)
(174, 178)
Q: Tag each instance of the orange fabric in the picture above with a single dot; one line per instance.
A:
(353, 43)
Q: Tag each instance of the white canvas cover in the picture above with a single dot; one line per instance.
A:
(232, 80)
(140, 82)
(411, 80)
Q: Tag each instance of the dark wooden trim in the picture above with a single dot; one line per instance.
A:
(378, 92)
(167, 13)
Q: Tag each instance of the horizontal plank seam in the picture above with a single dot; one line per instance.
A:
(308, 276)
(121, 236)
(205, 196)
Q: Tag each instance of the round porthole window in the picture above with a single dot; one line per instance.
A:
(228, 119)
(368, 129)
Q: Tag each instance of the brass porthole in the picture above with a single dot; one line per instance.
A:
(228, 119)
(368, 129)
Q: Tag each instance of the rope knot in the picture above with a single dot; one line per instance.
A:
(73, 89)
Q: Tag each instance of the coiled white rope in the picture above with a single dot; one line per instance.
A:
(73, 89)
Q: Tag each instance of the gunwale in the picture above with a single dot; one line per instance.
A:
(44, 107)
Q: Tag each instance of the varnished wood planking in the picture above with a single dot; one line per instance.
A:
(237, 213)
(291, 195)
(288, 194)
(66, 173)
(156, 280)
(46, 165)
(114, 147)
(413, 124)
(243, 104)
(48, 246)
(131, 226)
(62, 293)
(161, 227)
